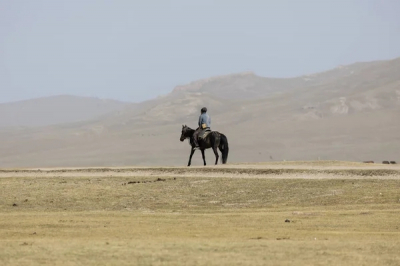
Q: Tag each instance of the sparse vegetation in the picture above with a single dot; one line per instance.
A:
(173, 220)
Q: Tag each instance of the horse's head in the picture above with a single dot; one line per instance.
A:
(185, 132)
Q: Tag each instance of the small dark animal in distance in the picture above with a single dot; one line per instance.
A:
(368, 162)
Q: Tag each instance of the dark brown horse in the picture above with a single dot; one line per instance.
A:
(214, 140)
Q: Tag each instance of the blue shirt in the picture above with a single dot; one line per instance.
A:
(204, 119)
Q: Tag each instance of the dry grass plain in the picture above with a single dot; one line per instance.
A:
(292, 213)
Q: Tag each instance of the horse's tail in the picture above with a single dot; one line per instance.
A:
(224, 148)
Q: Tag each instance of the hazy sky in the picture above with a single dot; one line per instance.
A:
(135, 50)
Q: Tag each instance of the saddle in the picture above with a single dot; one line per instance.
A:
(204, 133)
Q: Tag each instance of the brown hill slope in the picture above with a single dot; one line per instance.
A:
(349, 113)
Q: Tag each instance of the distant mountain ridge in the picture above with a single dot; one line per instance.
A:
(347, 113)
(55, 110)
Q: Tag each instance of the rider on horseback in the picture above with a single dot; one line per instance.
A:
(204, 124)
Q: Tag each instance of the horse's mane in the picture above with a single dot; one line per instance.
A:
(190, 129)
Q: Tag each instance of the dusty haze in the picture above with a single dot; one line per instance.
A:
(347, 113)
(109, 83)
(136, 50)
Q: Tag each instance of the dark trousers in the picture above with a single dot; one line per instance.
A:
(196, 136)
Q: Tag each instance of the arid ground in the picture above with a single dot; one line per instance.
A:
(287, 213)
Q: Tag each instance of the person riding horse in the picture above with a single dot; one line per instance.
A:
(204, 124)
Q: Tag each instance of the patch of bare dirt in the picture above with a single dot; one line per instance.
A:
(280, 170)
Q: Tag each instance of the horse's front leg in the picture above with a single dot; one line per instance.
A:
(216, 155)
(204, 157)
(191, 155)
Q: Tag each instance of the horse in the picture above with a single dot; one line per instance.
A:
(214, 140)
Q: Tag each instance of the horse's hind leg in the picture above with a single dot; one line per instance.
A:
(214, 144)
(220, 149)
(216, 155)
